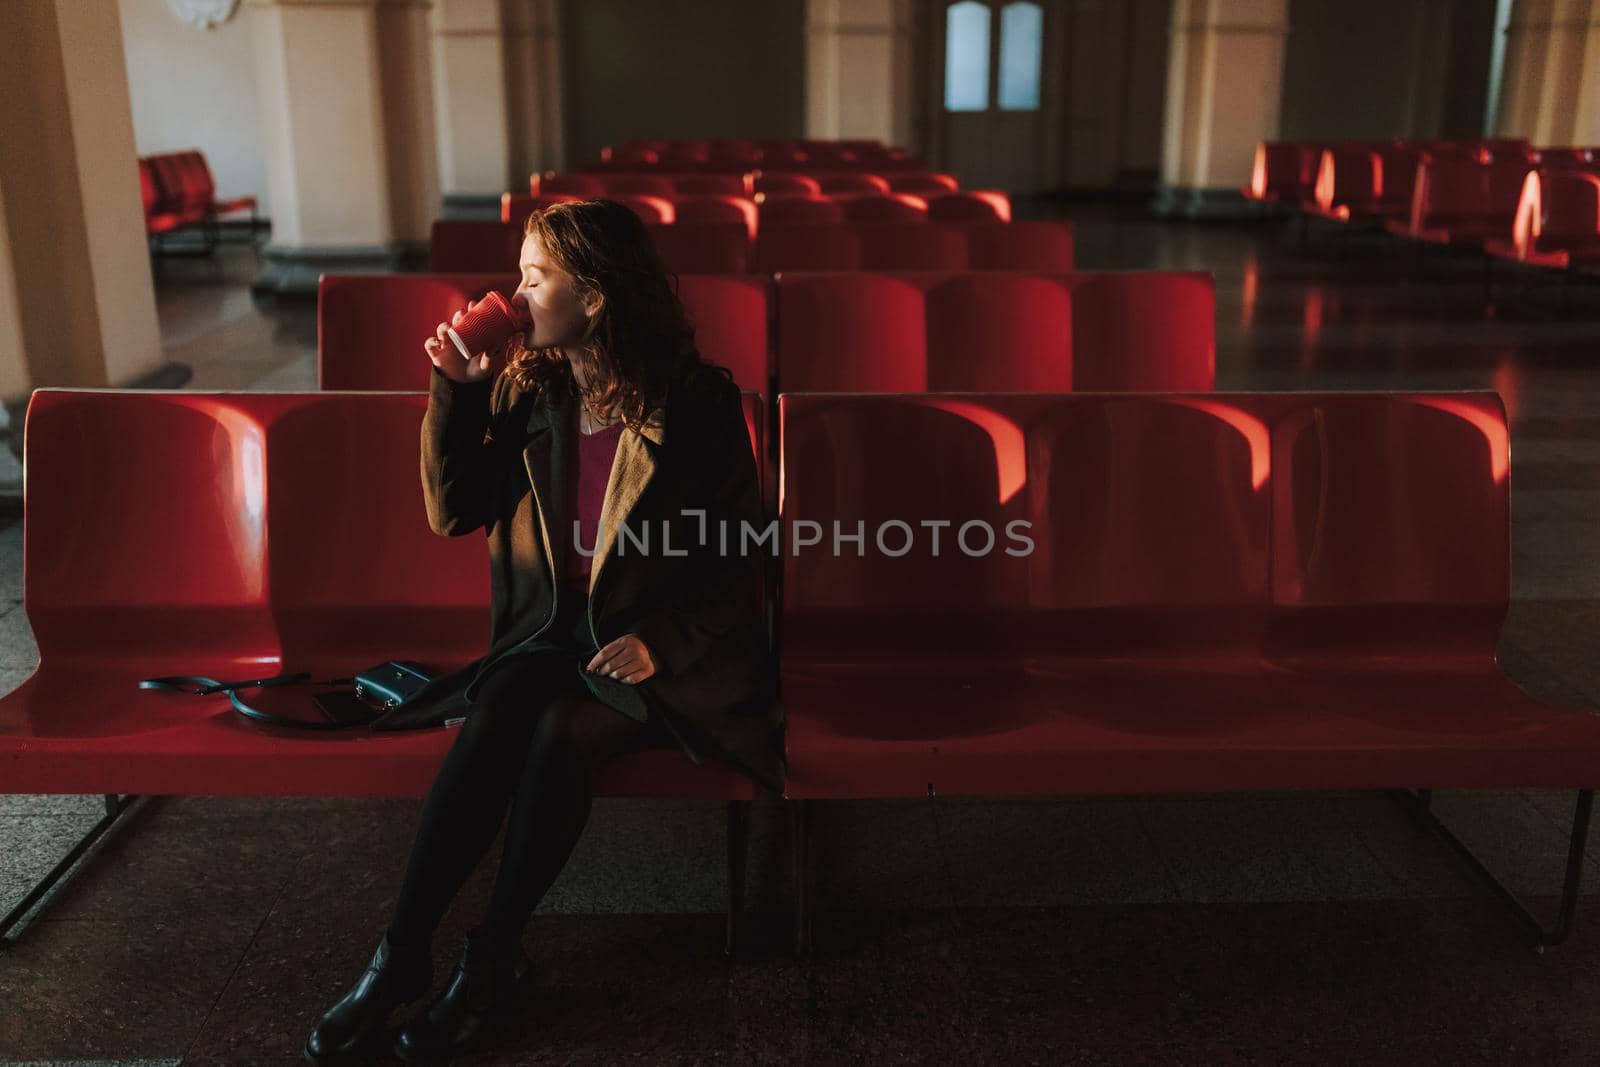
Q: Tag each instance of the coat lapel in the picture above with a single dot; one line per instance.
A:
(547, 453)
(631, 471)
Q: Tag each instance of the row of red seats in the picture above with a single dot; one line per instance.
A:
(1275, 591)
(725, 159)
(981, 205)
(1557, 222)
(179, 192)
(473, 247)
(1001, 332)
(819, 183)
(1509, 200)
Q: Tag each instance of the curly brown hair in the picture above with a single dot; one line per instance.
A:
(640, 341)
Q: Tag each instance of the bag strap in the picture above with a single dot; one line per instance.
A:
(197, 685)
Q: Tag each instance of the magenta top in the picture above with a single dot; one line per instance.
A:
(591, 474)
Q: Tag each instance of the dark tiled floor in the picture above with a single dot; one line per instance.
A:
(1306, 928)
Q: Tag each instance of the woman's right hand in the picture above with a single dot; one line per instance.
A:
(447, 357)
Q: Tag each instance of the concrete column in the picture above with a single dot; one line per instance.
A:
(1224, 83)
(322, 111)
(1586, 102)
(469, 79)
(861, 70)
(77, 306)
(1551, 70)
(534, 102)
(405, 51)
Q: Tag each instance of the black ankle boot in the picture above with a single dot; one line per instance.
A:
(395, 976)
(482, 984)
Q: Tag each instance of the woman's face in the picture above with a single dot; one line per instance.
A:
(560, 318)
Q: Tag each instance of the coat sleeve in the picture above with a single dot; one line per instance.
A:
(721, 589)
(457, 455)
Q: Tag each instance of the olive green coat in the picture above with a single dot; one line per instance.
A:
(494, 460)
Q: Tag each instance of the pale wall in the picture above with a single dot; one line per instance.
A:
(193, 88)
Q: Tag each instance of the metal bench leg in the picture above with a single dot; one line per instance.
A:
(800, 839)
(1537, 934)
(116, 807)
(738, 849)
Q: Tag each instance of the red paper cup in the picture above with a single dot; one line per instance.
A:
(493, 322)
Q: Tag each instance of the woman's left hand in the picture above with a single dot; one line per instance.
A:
(626, 659)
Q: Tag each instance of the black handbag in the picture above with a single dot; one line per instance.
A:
(379, 692)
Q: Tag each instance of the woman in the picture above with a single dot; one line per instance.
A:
(603, 417)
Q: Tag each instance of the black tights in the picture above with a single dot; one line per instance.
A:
(531, 740)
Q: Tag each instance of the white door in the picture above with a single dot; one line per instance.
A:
(989, 90)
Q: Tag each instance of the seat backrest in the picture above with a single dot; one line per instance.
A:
(709, 184)
(168, 567)
(712, 207)
(845, 182)
(652, 209)
(149, 191)
(1032, 246)
(850, 332)
(285, 528)
(1076, 527)
(878, 461)
(797, 210)
(371, 327)
(1451, 186)
(1391, 529)
(1142, 331)
(971, 205)
(795, 246)
(1151, 523)
(1571, 206)
(730, 316)
(884, 207)
(583, 186)
(703, 247)
(638, 185)
(515, 208)
(472, 246)
(922, 184)
(912, 245)
(998, 333)
(785, 185)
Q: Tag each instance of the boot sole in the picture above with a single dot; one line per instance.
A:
(519, 976)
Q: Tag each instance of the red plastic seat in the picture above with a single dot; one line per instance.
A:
(1241, 592)
(848, 182)
(1558, 220)
(1032, 246)
(1143, 331)
(850, 332)
(638, 185)
(234, 564)
(1283, 172)
(370, 328)
(703, 247)
(798, 210)
(798, 246)
(887, 332)
(515, 208)
(973, 205)
(709, 185)
(471, 246)
(656, 210)
(912, 245)
(922, 184)
(884, 207)
(785, 185)
(583, 186)
(717, 208)
(1349, 183)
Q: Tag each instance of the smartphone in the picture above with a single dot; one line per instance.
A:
(345, 708)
